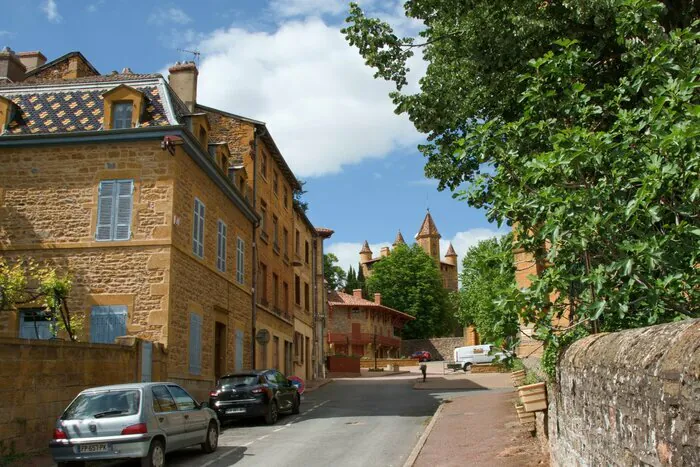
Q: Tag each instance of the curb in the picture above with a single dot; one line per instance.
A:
(319, 386)
(424, 437)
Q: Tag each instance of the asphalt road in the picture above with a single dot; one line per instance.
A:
(358, 422)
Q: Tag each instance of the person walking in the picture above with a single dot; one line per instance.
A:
(424, 370)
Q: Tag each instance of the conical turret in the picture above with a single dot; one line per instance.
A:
(399, 240)
(428, 237)
(365, 253)
(451, 256)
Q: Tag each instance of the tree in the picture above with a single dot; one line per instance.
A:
(362, 282)
(333, 274)
(410, 281)
(351, 281)
(24, 282)
(586, 117)
(487, 276)
(299, 197)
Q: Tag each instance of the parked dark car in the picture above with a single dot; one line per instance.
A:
(422, 356)
(256, 393)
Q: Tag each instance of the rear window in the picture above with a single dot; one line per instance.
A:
(238, 381)
(103, 404)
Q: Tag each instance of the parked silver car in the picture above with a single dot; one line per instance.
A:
(140, 420)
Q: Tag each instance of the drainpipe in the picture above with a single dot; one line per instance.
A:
(254, 279)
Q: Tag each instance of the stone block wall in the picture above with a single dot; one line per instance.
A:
(629, 398)
(440, 348)
(40, 378)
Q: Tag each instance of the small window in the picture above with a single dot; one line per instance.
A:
(275, 183)
(240, 261)
(275, 231)
(34, 323)
(306, 252)
(162, 400)
(297, 243)
(275, 290)
(221, 246)
(115, 200)
(107, 323)
(121, 115)
(297, 290)
(286, 198)
(183, 401)
(198, 229)
(285, 241)
(202, 136)
(263, 216)
(195, 354)
(263, 163)
(263, 284)
(307, 296)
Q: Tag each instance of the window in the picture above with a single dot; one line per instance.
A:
(275, 357)
(240, 261)
(162, 400)
(203, 137)
(298, 343)
(198, 229)
(263, 218)
(285, 296)
(221, 246)
(307, 296)
(275, 290)
(306, 252)
(241, 184)
(114, 210)
(195, 354)
(183, 401)
(121, 115)
(275, 183)
(297, 243)
(286, 197)
(275, 232)
(263, 163)
(263, 284)
(297, 290)
(107, 323)
(34, 323)
(285, 241)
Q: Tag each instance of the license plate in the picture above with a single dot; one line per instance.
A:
(228, 411)
(93, 448)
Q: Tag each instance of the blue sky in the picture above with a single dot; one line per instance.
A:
(286, 63)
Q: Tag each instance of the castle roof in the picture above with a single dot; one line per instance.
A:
(450, 251)
(399, 239)
(365, 248)
(428, 228)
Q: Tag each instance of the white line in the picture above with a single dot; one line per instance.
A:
(263, 437)
(248, 443)
(280, 428)
(220, 457)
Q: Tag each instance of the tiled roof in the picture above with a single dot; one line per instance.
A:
(59, 110)
(62, 58)
(450, 251)
(428, 228)
(365, 248)
(336, 298)
(399, 239)
(324, 232)
(118, 77)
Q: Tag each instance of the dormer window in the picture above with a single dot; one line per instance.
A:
(8, 110)
(202, 136)
(121, 115)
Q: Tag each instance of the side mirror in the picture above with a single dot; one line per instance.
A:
(204, 405)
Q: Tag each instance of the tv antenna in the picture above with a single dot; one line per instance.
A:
(196, 54)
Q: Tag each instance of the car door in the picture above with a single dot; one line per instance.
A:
(287, 391)
(196, 419)
(170, 420)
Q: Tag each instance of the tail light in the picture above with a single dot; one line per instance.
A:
(213, 393)
(137, 429)
(59, 434)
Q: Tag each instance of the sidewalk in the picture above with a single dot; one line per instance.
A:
(480, 430)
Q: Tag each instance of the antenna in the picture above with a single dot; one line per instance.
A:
(427, 201)
(195, 53)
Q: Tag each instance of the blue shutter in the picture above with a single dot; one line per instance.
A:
(105, 209)
(195, 344)
(146, 361)
(32, 328)
(240, 261)
(198, 229)
(107, 323)
(239, 350)
(221, 246)
(122, 222)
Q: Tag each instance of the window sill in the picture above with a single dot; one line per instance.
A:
(276, 249)
(263, 236)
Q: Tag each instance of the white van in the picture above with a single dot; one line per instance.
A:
(467, 356)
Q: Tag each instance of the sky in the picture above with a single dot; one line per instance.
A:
(286, 63)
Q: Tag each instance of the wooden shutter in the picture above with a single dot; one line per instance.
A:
(105, 210)
(122, 221)
(221, 247)
(195, 344)
(107, 323)
(34, 326)
(198, 229)
(240, 261)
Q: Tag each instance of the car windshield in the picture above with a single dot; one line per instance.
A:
(237, 381)
(118, 403)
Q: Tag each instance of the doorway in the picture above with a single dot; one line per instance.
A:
(219, 349)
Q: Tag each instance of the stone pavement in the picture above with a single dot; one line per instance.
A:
(480, 429)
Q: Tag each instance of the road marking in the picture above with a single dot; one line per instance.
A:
(281, 428)
(263, 437)
(248, 443)
(220, 457)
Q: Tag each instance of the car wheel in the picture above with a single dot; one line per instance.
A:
(467, 367)
(272, 413)
(212, 441)
(70, 464)
(296, 404)
(156, 455)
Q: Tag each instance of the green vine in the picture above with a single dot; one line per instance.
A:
(556, 346)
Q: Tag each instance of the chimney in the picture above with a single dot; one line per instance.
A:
(384, 252)
(183, 80)
(11, 67)
(357, 293)
(31, 60)
(378, 298)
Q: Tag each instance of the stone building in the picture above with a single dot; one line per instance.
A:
(357, 326)
(428, 238)
(154, 206)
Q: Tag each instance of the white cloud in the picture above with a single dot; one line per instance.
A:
(51, 9)
(321, 102)
(93, 7)
(168, 16)
(5, 33)
(466, 239)
(348, 253)
(289, 8)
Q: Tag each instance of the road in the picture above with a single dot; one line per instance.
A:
(350, 422)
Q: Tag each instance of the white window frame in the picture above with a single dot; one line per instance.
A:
(198, 228)
(221, 230)
(240, 260)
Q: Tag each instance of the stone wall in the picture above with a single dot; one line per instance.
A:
(440, 348)
(629, 398)
(386, 362)
(40, 378)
